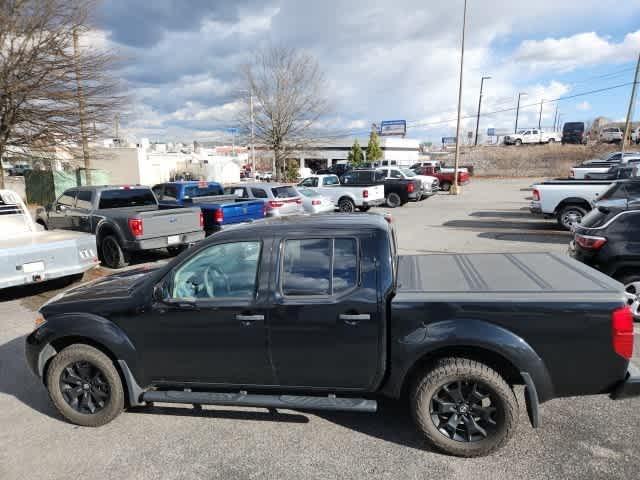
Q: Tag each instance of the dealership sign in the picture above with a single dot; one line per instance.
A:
(448, 140)
(393, 127)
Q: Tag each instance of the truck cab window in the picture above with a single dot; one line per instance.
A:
(68, 198)
(332, 180)
(309, 182)
(258, 193)
(84, 199)
(170, 193)
(307, 266)
(228, 270)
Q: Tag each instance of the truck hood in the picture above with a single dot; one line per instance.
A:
(115, 287)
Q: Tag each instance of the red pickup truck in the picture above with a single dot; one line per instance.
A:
(444, 175)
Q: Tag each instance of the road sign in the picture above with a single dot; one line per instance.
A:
(393, 127)
(448, 140)
(491, 132)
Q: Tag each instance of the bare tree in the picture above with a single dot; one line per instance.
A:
(52, 91)
(289, 97)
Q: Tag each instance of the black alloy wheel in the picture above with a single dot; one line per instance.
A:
(84, 387)
(464, 411)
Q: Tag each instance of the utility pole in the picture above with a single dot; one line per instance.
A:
(555, 119)
(253, 153)
(518, 110)
(479, 106)
(540, 115)
(455, 186)
(83, 133)
(632, 101)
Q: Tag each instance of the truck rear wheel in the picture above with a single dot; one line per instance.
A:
(346, 205)
(464, 408)
(445, 186)
(85, 386)
(393, 200)
(112, 254)
(571, 214)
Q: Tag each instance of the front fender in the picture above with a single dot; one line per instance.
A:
(88, 326)
(470, 333)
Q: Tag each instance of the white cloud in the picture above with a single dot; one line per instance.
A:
(578, 50)
(583, 106)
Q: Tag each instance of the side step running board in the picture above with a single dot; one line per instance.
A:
(243, 399)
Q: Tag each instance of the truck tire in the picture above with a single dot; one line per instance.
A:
(112, 254)
(552, 140)
(346, 205)
(365, 209)
(631, 282)
(464, 408)
(445, 186)
(393, 200)
(570, 214)
(518, 142)
(177, 250)
(85, 386)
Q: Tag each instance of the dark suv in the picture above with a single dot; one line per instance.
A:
(574, 132)
(608, 238)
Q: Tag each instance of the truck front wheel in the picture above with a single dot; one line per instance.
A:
(85, 386)
(464, 408)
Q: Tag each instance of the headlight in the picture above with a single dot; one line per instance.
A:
(38, 322)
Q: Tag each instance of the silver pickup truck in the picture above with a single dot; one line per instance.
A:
(30, 255)
(124, 219)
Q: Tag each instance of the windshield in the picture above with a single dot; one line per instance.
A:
(308, 193)
(132, 197)
(408, 173)
(284, 192)
(194, 191)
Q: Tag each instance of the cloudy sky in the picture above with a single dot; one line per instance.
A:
(382, 60)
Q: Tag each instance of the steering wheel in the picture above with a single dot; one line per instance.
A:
(209, 285)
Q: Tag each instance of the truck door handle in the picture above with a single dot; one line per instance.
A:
(353, 319)
(250, 318)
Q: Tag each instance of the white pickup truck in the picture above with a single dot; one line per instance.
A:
(579, 172)
(29, 254)
(566, 200)
(533, 135)
(345, 198)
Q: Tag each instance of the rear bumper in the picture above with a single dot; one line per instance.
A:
(630, 386)
(162, 242)
(535, 207)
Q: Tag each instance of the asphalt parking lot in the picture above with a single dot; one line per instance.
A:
(582, 438)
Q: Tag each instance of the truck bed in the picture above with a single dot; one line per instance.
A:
(492, 276)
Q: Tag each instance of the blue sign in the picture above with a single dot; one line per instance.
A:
(393, 127)
(448, 140)
(232, 131)
(491, 132)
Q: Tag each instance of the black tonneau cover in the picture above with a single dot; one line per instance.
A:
(524, 273)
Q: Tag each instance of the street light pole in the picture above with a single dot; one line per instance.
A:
(479, 106)
(518, 110)
(253, 153)
(555, 119)
(455, 188)
(540, 115)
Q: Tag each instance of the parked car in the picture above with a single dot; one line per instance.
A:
(344, 197)
(608, 239)
(125, 220)
(320, 312)
(280, 199)
(264, 176)
(533, 135)
(574, 132)
(19, 169)
(444, 176)
(611, 135)
(29, 254)
(619, 196)
(581, 171)
(635, 135)
(219, 210)
(568, 201)
(313, 202)
(617, 172)
(397, 191)
(428, 184)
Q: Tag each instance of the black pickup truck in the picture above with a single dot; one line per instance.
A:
(321, 312)
(397, 191)
(124, 219)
